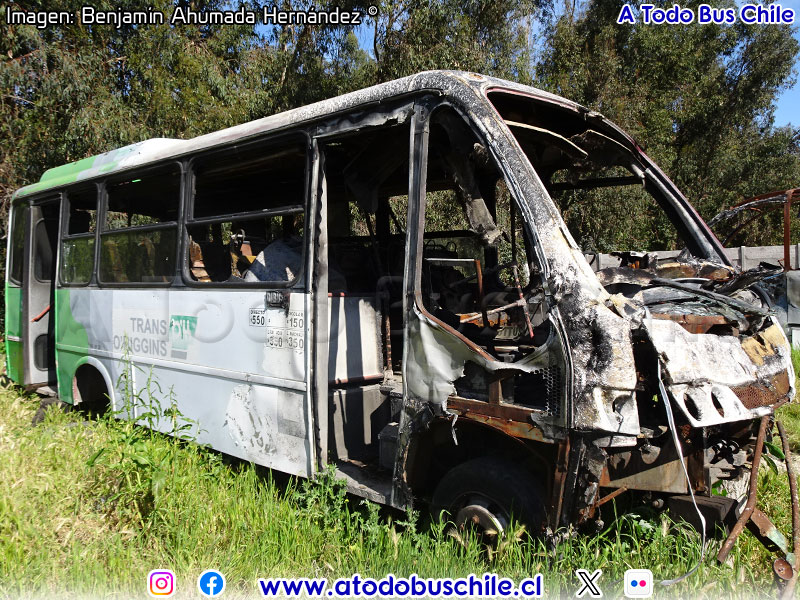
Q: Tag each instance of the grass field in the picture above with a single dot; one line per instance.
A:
(87, 509)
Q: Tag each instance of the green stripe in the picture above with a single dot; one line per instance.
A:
(71, 332)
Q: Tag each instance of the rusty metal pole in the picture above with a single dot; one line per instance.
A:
(788, 591)
(751, 496)
(787, 217)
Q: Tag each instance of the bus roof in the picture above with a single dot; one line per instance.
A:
(149, 151)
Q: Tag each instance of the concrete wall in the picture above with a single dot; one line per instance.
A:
(744, 257)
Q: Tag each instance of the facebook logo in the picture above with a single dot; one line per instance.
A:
(211, 583)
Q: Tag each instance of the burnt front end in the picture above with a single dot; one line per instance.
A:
(708, 366)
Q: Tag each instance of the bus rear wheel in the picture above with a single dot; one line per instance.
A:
(483, 495)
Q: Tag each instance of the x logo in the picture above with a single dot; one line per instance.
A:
(588, 583)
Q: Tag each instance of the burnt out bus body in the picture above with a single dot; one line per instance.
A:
(383, 281)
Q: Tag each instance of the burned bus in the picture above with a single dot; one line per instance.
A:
(385, 282)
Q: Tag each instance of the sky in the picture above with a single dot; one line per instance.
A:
(788, 110)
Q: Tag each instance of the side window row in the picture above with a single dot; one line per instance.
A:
(245, 221)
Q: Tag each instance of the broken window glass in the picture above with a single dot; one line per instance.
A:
(248, 215)
(476, 275)
(138, 243)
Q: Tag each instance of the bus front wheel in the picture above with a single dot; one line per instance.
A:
(484, 495)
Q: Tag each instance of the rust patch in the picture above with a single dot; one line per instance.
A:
(759, 394)
(693, 323)
(527, 431)
(498, 411)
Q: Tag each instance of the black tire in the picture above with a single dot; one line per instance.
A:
(45, 404)
(492, 486)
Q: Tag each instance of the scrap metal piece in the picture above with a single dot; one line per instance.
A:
(788, 591)
(750, 506)
(783, 570)
(770, 536)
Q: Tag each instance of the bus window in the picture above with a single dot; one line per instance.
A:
(77, 246)
(18, 244)
(138, 243)
(143, 200)
(243, 180)
(474, 262)
(248, 220)
(45, 237)
(248, 249)
(82, 211)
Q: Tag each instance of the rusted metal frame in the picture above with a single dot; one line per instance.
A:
(493, 311)
(765, 531)
(772, 199)
(611, 496)
(517, 429)
(787, 221)
(750, 506)
(508, 412)
(384, 298)
(788, 591)
(559, 483)
(525, 310)
(512, 218)
(481, 303)
(758, 214)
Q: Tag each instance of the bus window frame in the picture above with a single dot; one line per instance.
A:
(429, 107)
(58, 197)
(101, 230)
(285, 138)
(18, 209)
(64, 235)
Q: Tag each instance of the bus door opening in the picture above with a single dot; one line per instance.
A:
(39, 282)
(367, 194)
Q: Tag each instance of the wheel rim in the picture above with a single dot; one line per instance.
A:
(483, 516)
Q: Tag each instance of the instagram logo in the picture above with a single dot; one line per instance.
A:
(161, 583)
(638, 583)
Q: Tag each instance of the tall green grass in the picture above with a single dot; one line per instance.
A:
(789, 414)
(87, 509)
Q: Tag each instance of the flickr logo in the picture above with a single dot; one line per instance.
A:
(211, 583)
(638, 583)
(161, 583)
